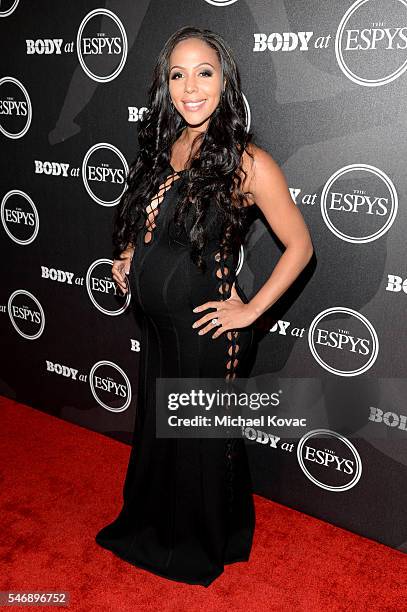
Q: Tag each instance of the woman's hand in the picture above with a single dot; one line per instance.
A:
(231, 314)
(121, 267)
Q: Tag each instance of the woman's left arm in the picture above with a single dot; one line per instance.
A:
(268, 188)
(270, 192)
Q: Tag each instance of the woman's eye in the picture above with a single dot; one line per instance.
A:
(176, 74)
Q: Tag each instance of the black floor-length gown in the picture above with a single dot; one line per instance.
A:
(188, 505)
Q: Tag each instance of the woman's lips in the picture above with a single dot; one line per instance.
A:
(194, 106)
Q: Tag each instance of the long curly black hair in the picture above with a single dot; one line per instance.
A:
(212, 176)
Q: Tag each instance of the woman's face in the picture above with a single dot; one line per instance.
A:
(195, 81)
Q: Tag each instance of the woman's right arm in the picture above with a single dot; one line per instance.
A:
(121, 267)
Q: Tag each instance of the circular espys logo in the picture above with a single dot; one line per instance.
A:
(26, 314)
(7, 7)
(16, 108)
(240, 260)
(220, 2)
(248, 113)
(370, 42)
(110, 386)
(103, 291)
(104, 172)
(345, 346)
(19, 217)
(101, 45)
(329, 460)
(359, 203)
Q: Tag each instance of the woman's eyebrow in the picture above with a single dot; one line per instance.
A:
(201, 64)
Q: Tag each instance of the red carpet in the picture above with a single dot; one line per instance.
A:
(61, 483)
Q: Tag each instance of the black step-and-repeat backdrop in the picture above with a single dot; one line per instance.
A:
(325, 90)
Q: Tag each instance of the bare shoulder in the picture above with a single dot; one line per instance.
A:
(258, 165)
(272, 196)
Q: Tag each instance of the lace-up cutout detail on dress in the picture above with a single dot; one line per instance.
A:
(225, 273)
(153, 209)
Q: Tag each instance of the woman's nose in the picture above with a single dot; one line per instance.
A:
(190, 84)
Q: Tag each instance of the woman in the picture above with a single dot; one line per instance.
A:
(188, 505)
